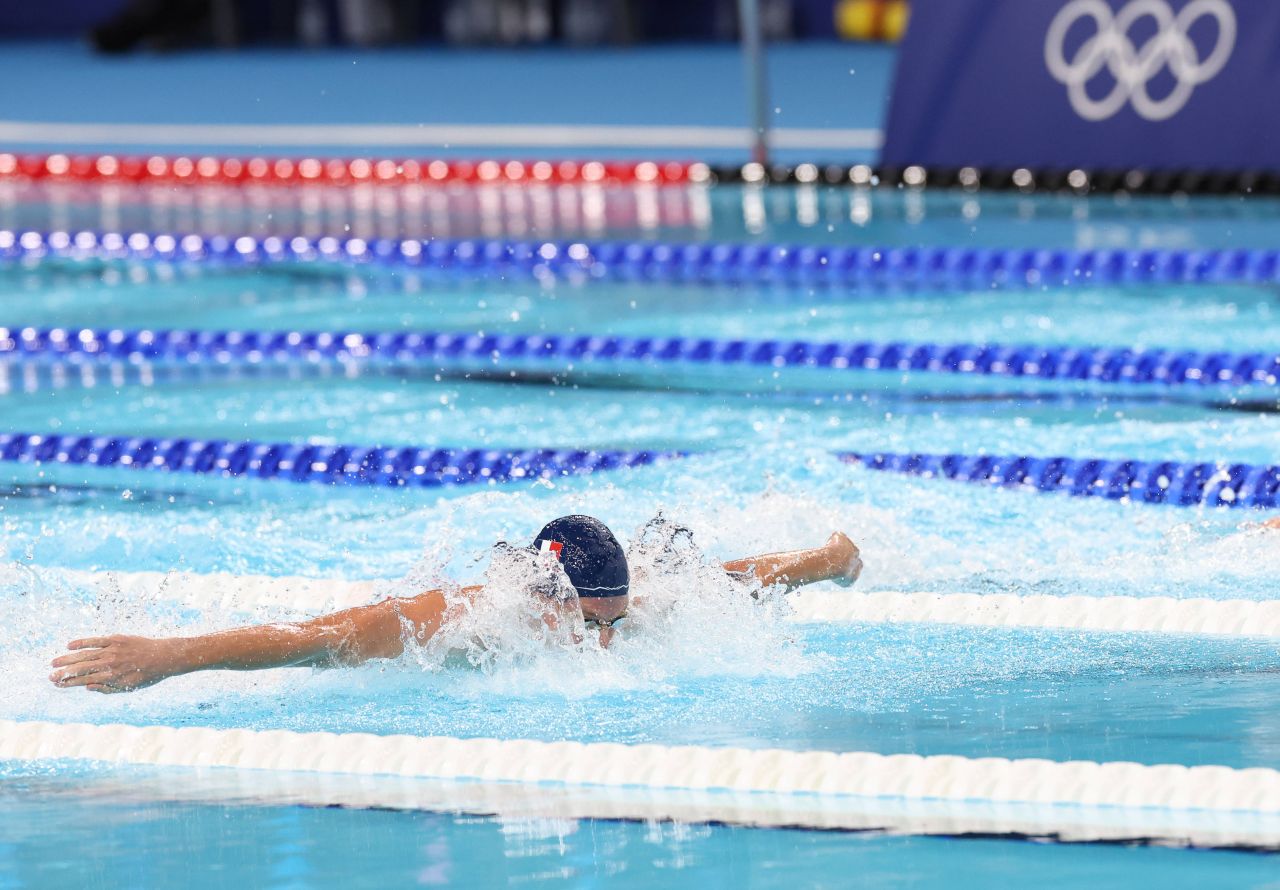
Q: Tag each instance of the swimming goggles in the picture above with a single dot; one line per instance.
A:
(601, 623)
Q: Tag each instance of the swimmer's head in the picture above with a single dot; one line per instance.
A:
(595, 564)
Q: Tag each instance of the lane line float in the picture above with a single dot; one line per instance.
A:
(437, 350)
(658, 767)
(798, 265)
(982, 819)
(403, 467)
(1178, 483)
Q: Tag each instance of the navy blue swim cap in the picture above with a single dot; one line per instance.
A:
(590, 554)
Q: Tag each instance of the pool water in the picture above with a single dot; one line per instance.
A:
(274, 846)
(760, 475)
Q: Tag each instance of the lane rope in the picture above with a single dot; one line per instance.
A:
(327, 464)
(437, 350)
(45, 377)
(1180, 483)
(658, 767)
(170, 170)
(1177, 483)
(1124, 614)
(1046, 822)
(945, 268)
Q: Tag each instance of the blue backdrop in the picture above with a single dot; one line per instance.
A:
(1155, 84)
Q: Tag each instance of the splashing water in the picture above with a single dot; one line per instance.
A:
(688, 620)
(695, 648)
(526, 607)
(688, 617)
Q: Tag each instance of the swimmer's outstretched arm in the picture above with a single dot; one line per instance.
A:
(350, 637)
(838, 560)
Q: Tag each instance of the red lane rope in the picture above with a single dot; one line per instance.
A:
(232, 171)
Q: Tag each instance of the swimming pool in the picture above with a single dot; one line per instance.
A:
(752, 463)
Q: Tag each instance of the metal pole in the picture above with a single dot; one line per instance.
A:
(757, 84)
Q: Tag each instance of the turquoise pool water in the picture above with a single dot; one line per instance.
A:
(265, 846)
(723, 671)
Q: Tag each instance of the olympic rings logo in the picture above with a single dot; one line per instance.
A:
(1133, 67)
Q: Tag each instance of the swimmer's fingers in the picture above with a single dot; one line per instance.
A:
(83, 674)
(93, 643)
(101, 679)
(847, 557)
(76, 657)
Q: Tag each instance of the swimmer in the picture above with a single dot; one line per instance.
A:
(592, 560)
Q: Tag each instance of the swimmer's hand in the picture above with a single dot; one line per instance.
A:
(838, 560)
(846, 559)
(117, 663)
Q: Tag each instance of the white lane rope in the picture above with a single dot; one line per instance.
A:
(433, 135)
(511, 801)
(1126, 614)
(818, 781)
(1076, 801)
(1130, 614)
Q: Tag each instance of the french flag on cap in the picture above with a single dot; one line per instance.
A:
(555, 547)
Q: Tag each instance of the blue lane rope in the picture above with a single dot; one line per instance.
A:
(440, 350)
(1153, 482)
(1170, 482)
(948, 268)
(328, 464)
